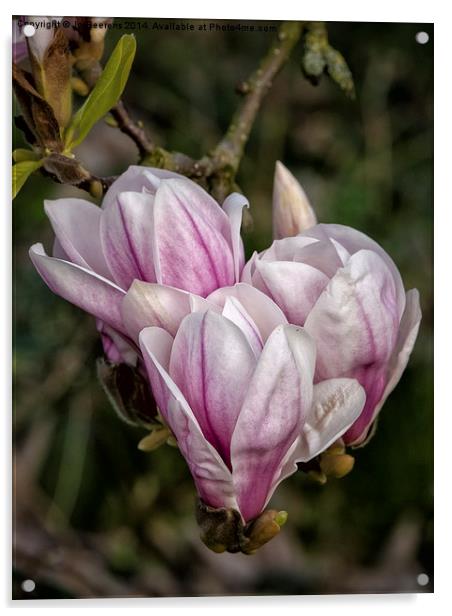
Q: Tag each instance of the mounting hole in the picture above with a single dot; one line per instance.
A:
(28, 586)
(422, 38)
(29, 30)
(423, 579)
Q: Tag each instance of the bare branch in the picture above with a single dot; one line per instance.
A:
(133, 130)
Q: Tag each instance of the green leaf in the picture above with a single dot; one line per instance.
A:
(21, 171)
(22, 154)
(105, 93)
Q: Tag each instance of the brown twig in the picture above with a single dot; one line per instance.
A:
(132, 129)
(230, 149)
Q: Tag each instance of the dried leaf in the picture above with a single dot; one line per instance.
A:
(128, 393)
(56, 77)
(37, 112)
(66, 170)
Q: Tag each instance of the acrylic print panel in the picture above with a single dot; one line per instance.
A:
(223, 282)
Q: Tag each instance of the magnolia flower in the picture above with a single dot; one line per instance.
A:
(238, 394)
(348, 294)
(154, 226)
(292, 212)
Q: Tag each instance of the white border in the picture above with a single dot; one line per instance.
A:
(330, 10)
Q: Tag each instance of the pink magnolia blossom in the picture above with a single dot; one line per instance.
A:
(348, 294)
(154, 226)
(236, 389)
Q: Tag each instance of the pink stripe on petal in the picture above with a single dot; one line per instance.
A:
(136, 179)
(212, 478)
(193, 252)
(274, 410)
(354, 321)
(409, 327)
(212, 364)
(354, 241)
(126, 231)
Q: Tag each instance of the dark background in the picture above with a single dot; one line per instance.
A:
(95, 516)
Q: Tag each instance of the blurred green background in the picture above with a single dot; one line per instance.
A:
(96, 517)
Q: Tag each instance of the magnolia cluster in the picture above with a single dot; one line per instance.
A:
(254, 367)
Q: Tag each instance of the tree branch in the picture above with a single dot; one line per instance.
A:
(230, 149)
(216, 171)
(133, 130)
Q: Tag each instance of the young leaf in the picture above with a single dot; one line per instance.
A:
(20, 155)
(21, 171)
(106, 92)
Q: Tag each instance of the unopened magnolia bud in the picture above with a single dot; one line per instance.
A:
(292, 212)
(336, 465)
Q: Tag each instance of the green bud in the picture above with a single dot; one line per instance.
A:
(263, 529)
(281, 518)
(95, 189)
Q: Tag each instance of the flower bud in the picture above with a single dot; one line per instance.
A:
(263, 529)
(51, 67)
(292, 212)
